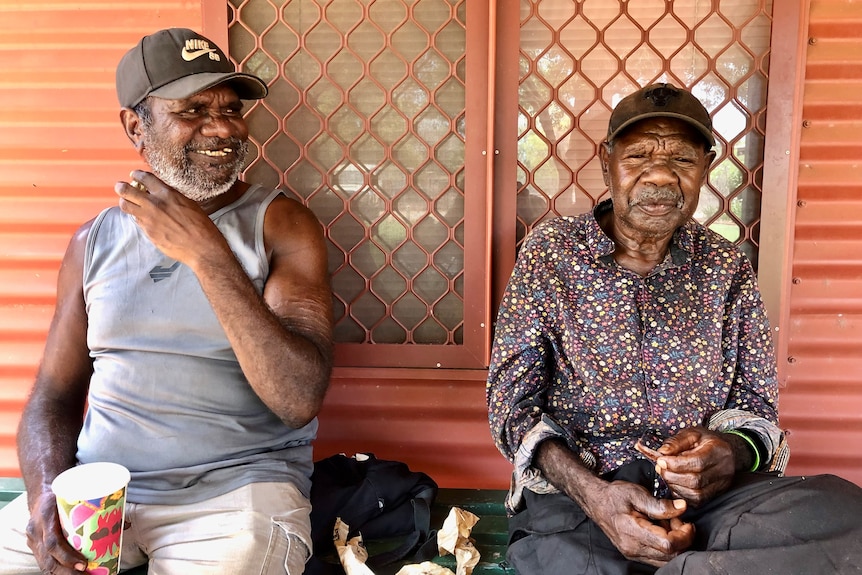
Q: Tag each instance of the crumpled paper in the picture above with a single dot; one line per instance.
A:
(454, 538)
(352, 553)
(424, 568)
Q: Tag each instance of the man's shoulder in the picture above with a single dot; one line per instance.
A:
(278, 202)
(291, 221)
(706, 239)
(562, 226)
(284, 205)
(708, 244)
(562, 238)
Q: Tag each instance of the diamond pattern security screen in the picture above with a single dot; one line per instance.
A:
(578, 59)
(365, 124)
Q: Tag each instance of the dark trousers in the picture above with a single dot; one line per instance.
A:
(763, 525)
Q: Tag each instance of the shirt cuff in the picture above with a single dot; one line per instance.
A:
(525, 476)
(771, 437)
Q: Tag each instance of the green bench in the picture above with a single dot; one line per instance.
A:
(10, 488)
(490, 533)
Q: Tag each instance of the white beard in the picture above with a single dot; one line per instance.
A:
(171, 164)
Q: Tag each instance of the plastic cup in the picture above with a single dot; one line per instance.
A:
(91, 500)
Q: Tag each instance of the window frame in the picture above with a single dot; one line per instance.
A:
(490, 194)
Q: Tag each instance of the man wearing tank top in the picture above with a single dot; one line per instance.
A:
(191, 342)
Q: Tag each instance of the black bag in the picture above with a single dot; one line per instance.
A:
(378, 498)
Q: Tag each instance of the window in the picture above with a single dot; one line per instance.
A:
(378, 121)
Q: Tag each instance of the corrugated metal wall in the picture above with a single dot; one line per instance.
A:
(822, 403)
(435, 421)
(61, 150)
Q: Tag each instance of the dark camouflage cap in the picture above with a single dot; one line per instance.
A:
(660, 101)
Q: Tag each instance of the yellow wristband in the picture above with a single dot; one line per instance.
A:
(756, 465)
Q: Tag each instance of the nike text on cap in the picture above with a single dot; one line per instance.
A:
(177, 63)
(660, 101)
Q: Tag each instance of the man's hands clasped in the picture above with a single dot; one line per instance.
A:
(697, 464)
(642, 527)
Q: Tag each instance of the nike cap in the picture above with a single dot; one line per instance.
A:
(660, 101)
(177, 63)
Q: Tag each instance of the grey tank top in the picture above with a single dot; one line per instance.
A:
(167, 397)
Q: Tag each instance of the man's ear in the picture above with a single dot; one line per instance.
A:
(133, 126)
(709, 158)
(707, 163)
(604, 155)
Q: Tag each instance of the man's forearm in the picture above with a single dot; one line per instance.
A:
(565, 471)
(47, 442)
(286, 368)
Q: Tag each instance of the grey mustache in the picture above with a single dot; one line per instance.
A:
(658, 194)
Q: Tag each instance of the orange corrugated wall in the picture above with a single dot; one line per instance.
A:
(822, 403)
(61, 150)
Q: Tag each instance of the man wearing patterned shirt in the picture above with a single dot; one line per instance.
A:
(633, 383)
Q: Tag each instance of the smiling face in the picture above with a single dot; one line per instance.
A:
(654, 171)
(196, 145)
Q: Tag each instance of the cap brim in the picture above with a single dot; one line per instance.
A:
(247, 87)
(700, 128)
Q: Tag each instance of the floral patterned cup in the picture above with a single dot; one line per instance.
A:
(91, 499)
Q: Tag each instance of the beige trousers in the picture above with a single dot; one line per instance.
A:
(262, 528)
